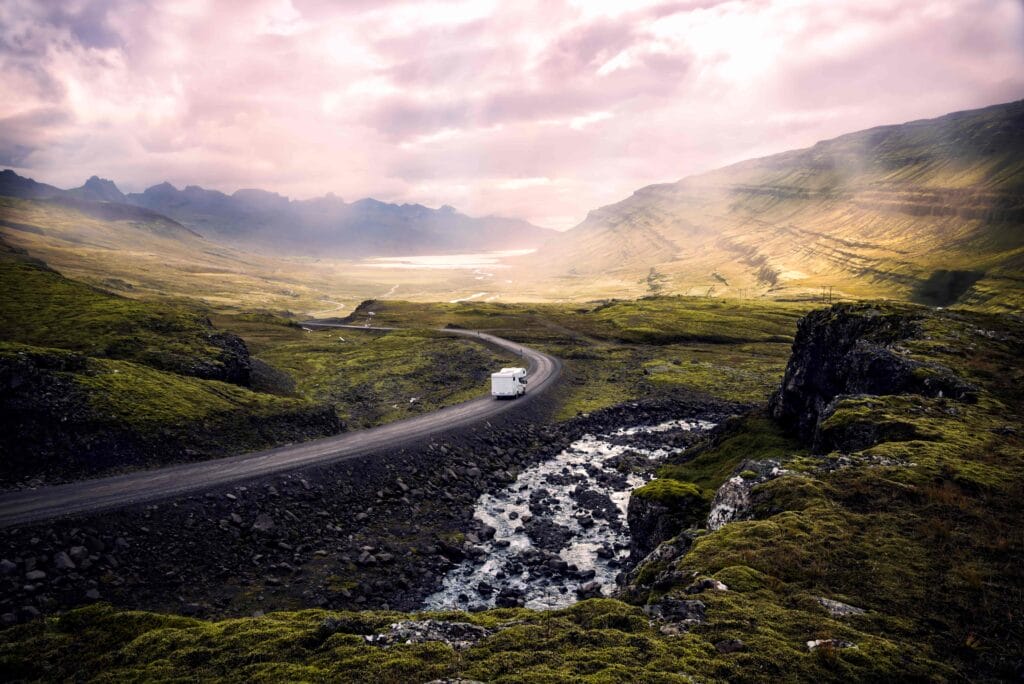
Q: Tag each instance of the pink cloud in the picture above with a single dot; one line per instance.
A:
(543, 110)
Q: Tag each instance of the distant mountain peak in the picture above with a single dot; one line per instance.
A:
(161, 188)
(98, 189)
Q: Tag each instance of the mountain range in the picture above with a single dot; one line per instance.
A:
(931, 210)
(327, 226)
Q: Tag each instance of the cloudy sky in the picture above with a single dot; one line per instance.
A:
(542, 110)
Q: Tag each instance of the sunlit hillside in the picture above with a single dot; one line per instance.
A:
(930, 210)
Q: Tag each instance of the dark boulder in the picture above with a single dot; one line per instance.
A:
(661, 510)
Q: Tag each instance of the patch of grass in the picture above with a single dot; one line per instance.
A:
(71, 416)
(669, 492)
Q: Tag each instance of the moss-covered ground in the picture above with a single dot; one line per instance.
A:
(593, 641)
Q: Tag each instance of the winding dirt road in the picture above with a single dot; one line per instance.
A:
(90, 496)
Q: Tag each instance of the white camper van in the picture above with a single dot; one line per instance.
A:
(508, 382)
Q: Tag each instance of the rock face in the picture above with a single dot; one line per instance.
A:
(850, 349)
(660, 510)
(236, 365)
(733, 500)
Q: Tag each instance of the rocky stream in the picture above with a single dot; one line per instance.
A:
(558, 533)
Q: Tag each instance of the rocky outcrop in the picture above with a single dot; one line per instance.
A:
(851, 349)
(660, 510)
(733, 499)
(235, 364)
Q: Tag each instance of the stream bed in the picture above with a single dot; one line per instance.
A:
(558, 534)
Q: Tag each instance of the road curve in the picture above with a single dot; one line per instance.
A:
(91, 496)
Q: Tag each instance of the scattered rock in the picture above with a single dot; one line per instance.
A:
(838, 608)
(62, 561)
(264, 523)
(29, 613)
(458, 635)
(730, 646)
(732, 501)
(684, 613)
(510, 597)
(706, 584)
(829, 643)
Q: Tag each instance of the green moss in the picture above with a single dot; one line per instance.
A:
(743, 579)
(594, 641)
(708, 465)
(669, 492)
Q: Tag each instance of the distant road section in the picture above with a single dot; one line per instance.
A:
(90, 496)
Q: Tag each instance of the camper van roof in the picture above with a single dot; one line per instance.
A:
(510, 371)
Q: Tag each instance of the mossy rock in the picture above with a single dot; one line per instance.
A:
(669, 492)
(742, 578)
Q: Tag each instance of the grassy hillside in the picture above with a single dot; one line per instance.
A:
(930, 210)
(161, 259)
(40, 307)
